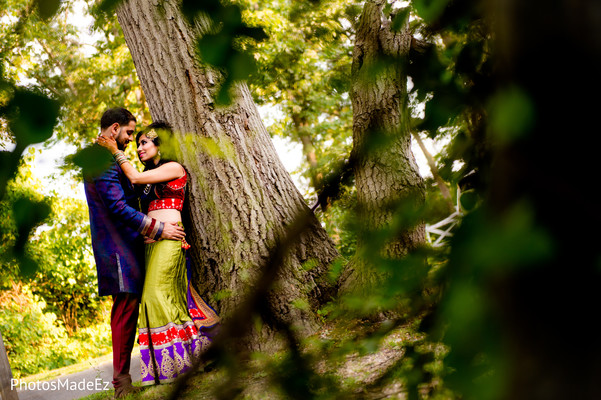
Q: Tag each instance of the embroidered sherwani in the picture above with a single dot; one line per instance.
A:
(117, 232)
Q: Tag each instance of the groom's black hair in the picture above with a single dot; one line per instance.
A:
(116, 114)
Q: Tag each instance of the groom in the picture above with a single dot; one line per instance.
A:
(118, 231)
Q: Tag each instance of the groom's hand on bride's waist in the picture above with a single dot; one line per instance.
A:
(173, 231)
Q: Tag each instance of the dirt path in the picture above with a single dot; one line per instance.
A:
(76, 385)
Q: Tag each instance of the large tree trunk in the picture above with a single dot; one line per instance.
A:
(240, 195)
(386, 174)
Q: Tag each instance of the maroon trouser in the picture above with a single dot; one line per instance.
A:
(124, 318)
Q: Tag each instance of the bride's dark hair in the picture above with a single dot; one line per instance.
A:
(155, 126)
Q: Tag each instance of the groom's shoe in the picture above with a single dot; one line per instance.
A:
(123, 386)
(124, 390)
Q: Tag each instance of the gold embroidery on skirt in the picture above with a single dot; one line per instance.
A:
(204, 342)
(152, 368)
(167, 365)
(197, 349)
(179, 361)
(187, 360)
(143, 369)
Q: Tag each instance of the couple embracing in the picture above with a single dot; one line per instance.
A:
(141, 256)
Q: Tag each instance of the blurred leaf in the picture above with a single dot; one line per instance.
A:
(223, 97)
(399, 20)
(32, 117)
(47, 8)
(191, 8)
(469, 199)
(93, 160)
(27, 215)
(255, 33)
(108, 6)
(214, 48)
(430, 10)
(8, 166)
(440, 110)
(426, 69)
(27, 266)
(470, 57)
(230, 17)
(488, 245)
(466, 306)
(512, 114)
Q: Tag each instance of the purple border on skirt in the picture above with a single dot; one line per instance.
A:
(172, 360)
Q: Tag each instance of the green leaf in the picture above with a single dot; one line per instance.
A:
(108, 6)
(469, 199)
(492, 245)
(440, 109)
(430, 10)
(241, 66)
(27, 215)
(512, 114)
(47, 8)
(191, 8)
(93, 160)
(214, 49)
(400, 19)
(28, 267)
(32, 117)
(253, 32)
(469, 57)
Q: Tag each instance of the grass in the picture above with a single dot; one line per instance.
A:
(344, 360)
(200, 388)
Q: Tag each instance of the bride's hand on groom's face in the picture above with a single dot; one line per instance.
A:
(108, 142)
(173, 231)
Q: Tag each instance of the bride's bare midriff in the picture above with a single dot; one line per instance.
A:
(166, 215)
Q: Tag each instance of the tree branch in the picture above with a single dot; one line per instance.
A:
(434, 169)
(59, 65)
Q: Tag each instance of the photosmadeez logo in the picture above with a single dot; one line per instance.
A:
(60, 384)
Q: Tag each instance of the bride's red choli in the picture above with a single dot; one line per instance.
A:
(170, 195)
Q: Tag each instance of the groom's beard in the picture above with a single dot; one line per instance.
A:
(121, 145)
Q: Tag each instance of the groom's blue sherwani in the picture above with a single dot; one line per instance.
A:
(117, 232)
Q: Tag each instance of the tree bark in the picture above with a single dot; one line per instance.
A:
(240, 195)
(386, 174)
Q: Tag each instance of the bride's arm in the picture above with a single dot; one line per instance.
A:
(164, 173)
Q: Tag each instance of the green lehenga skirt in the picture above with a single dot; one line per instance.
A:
(172, 315)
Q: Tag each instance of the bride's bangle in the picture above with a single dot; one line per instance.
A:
(120, 157)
